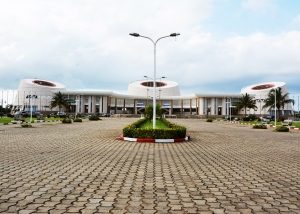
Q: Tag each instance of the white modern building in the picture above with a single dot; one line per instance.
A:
(38, 94)
(260, 92)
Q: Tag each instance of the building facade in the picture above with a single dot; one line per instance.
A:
(139, 95)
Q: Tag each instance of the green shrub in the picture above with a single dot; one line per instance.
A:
(94, 117)
(77, 120)
(173, 131)
(282, 129)
(66, 120)
(260, 126)
(26, 125)
(209, 120)
(149, 111)
(250, 117)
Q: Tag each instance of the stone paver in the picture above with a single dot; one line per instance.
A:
(81, 168)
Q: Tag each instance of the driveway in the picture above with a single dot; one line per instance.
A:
(82, 168)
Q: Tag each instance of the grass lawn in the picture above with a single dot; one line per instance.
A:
(53, 118)
(5, 119)
(296, 124)
(159, 124)
(27, 119)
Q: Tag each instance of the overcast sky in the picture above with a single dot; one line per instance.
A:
(224, 44)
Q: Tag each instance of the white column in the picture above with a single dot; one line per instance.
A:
(104, 110)
(82, 102)
(213, 105)
(223, 106)
(100, 104)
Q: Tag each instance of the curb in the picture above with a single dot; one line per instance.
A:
(152, 140)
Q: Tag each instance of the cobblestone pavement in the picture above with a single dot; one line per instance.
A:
(81, 168)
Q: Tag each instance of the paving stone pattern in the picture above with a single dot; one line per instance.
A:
(82, 168)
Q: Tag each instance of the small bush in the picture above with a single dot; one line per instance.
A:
(260, 126)
(77, 120)
(66, 120)
(282, 129)
(94, 117)
(250, 117)
(78, 115)
(26, 125)
(209, 120)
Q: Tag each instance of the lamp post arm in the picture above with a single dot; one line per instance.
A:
(161, 38)
(146, 37)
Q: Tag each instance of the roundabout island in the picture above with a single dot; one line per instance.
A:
(164, 131)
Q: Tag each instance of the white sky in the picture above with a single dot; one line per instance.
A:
(224, 45)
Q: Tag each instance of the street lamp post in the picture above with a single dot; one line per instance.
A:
(30, 104)
(275, 107)
(154, 70)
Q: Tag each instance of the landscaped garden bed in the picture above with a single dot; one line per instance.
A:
(165, 131)
(142, 129)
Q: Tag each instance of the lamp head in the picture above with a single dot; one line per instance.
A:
(134, 34)
(174, 34)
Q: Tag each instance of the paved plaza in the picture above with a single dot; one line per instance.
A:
(82, 168)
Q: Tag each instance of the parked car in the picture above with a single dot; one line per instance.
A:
(61, 114)
(265, 119)
(22, 113)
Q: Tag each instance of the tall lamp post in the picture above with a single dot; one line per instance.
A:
(154, 70)
(275, 107)
(33, 96)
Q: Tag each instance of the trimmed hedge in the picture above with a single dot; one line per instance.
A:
(77, 120)
(94, 117)
(66, 120)
(282, 129)
(26, 125)
(260, 126)
(172, 132)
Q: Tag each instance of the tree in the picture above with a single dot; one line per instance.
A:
(2, 110)
(246, 101)
(59, 100)
(281, 100)
(5, 111)
(149, 111)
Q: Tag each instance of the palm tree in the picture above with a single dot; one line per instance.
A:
(246, 101)
(59, 100)
(281, 100)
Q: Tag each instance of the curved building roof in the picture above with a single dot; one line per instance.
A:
(38, 84)
(164, 88)
(262, 89)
